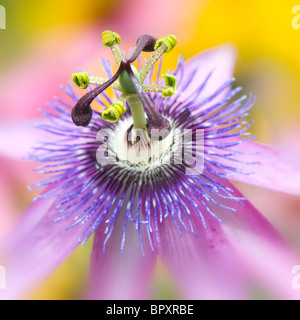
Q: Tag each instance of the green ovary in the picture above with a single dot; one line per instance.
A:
(125, 81)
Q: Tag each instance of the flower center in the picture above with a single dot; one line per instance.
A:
(133, 147)
(130, 84)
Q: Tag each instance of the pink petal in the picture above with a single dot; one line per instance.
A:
(14, 196)
(114, 276)
(225, 259)
(202, 267)
(221, 59)
(8, 208)
(278, 168)
(265, 256)
(17, 138)
(36, 247)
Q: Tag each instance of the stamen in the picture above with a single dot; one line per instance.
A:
(163, 45)
(130, 84)
(99, 81)
(81, 80)
(165, 90)
(168, 43)
(171, 83)
(82, 111)
(112, 40)
(154, 88)
(114, 112)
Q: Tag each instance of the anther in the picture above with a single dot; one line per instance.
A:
(168, 43)
(112, 40)
(114, 112)
(171, 83)
(81, 80)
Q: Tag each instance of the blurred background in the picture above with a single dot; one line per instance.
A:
(46, 41)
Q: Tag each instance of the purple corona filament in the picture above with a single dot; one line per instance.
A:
(95, 194)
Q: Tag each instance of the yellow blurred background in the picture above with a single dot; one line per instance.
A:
(65, 35)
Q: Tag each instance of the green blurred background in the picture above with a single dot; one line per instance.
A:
(44, 42)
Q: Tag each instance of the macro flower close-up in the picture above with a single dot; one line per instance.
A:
(155, 182)
(145, 169)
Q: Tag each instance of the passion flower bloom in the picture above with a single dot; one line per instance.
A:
(150, 177)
